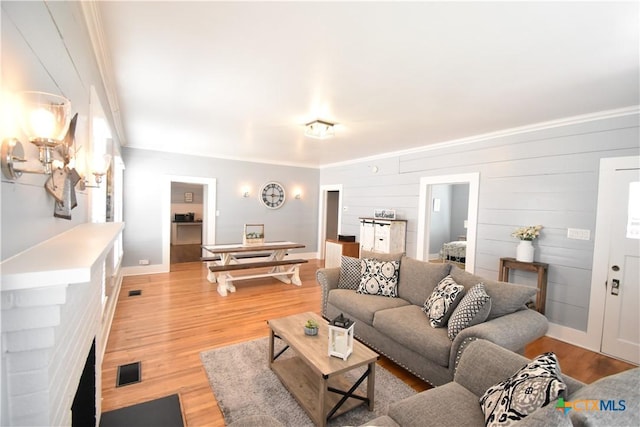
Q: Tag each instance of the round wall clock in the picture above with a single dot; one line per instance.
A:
(272, 195)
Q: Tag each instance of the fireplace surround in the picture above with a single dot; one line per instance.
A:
(57, 297)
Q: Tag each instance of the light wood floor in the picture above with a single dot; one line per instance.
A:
(180, 314)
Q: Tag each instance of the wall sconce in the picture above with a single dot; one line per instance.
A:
(99, 168)
(319, 129)
(245, 192)
(44, 118)
(297, 194)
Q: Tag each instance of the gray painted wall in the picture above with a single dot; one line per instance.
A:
(459, 209)
(45, 47)
(297, 220)
(440, 220)
(547, 176)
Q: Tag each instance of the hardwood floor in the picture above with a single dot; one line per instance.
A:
(180, 314)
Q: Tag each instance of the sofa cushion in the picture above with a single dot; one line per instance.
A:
(362, 306)
(381, 256)
(379, 277)
(443, 300)
(472, 310)
(447, 405)
(614, 391)
(505, 297)
(408, 326)
(419, 278)
(534, 386)
(350, 273)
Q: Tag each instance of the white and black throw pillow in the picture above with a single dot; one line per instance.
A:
(443, 300)
(350, 273)
(379, 277)
(474, 308)
(531, 388)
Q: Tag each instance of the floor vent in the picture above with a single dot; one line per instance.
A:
(128, 374)
(135, 293)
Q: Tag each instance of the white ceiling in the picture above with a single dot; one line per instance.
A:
(240, 79)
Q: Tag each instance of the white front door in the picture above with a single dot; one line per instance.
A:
(621, 328)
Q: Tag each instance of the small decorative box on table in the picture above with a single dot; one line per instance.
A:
(253, 234)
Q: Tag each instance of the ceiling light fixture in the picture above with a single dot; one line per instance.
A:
(319, 129)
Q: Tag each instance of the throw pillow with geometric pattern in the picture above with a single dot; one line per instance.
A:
(473, 309)
(531, 388)
(350, 273)
(379, 277)
(443, 300)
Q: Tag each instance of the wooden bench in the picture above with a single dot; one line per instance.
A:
(237, 256)
(256, 264)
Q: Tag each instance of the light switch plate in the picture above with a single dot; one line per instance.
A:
(578, 234)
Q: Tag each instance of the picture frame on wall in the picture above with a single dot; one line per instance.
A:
(188, 197)
(384, 214)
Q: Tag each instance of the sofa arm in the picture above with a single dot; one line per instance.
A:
(483, 364)
(328, 279)
(511, 331)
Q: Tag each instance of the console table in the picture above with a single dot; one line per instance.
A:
(540, 268)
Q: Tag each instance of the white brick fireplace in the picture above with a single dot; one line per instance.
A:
(54, 304)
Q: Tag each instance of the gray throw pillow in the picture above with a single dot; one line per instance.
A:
(534, 386)
(379, 277)
(350, 273)
(443, 300)
(472, 310)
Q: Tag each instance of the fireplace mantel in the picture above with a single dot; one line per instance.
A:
(65, 258)
(57, 297)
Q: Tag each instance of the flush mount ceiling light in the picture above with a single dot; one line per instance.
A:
(319, 129)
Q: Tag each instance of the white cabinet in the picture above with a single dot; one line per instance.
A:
(381, 235)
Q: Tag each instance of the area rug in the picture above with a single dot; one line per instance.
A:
(162, 412)
(244, 385)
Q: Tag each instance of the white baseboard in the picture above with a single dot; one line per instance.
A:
(137, 270)
(571, 336)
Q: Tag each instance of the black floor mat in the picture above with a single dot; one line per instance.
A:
(163, 412)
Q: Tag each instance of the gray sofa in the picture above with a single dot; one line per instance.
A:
(483, 364)
(400, 330)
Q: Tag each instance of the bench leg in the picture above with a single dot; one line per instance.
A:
(225, 284)
(211, 276)
(295, 277)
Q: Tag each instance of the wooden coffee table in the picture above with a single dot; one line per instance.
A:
(312, 376)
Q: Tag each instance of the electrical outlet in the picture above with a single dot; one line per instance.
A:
(578, 234)
(143, 262)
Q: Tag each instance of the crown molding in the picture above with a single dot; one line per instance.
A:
(584, 118)
(101, 51)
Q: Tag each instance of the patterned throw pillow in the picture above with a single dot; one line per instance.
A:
(379, 277)
(531, 388)
(474, 308)
(443, 300)
(350, 273)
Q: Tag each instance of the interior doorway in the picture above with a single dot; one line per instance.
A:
(330, 215)
(453, 236)
(186, 222)
(208, 222)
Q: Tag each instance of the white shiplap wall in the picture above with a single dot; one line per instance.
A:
(545, 176)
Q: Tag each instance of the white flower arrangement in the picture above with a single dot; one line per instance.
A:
(527, 233)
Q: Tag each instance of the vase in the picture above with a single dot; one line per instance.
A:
(310, 331)
(524, 251)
